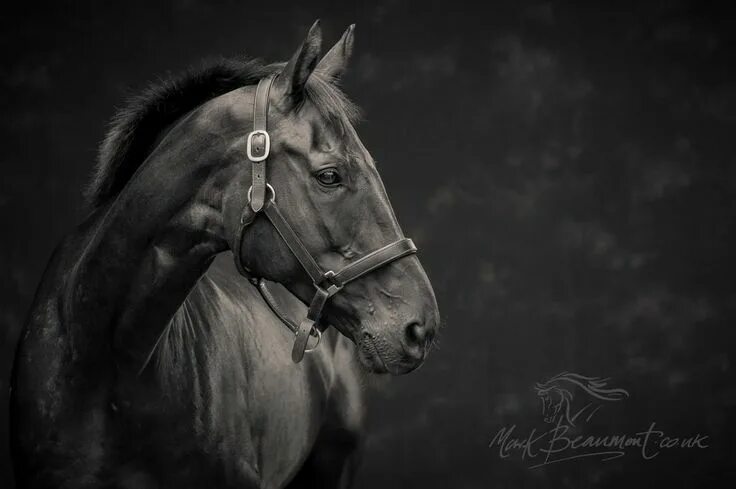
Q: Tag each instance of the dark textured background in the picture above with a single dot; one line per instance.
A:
(568, 172)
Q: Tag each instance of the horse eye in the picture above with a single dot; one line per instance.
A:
(328, 177)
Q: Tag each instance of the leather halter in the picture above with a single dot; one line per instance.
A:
(326, 282)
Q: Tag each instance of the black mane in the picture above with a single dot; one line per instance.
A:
(135, 128)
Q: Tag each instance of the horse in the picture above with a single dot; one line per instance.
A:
(148, 360)
(556, 395)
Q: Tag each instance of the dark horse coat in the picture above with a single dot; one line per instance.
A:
(147, 361)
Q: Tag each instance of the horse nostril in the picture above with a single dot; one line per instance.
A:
(416, 334)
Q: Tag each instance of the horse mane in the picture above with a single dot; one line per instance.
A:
(135, 128)
(593, 386)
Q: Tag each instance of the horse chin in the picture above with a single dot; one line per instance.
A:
(369, 356)
(372, 360)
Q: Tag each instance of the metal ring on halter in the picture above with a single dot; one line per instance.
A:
(269, 187)
(319, 338)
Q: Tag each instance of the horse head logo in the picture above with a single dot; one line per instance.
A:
(558, 395)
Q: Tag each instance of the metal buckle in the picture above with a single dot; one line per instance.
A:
(249, 145)
(333, 288)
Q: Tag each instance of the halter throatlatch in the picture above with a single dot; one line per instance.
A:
(262, 199)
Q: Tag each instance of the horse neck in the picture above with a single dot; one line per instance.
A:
(146, 251)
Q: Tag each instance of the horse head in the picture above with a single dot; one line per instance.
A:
(328, 188)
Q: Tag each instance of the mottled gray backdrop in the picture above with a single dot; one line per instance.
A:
(567, 171)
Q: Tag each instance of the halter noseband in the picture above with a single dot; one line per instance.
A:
(327, 283)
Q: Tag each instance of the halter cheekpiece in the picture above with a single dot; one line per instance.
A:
(262, 199)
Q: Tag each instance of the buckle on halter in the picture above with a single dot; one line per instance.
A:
(258, 145)
(332, 287)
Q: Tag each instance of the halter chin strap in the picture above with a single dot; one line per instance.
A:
(326, 282)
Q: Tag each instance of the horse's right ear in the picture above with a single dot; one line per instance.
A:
(293, 78)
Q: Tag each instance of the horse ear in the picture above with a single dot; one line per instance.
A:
(335, 62)
(295, 74)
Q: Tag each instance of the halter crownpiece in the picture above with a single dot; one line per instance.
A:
(262, 199)
(258, 145)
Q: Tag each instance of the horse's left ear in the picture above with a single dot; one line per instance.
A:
(335, 62)
(301, 65)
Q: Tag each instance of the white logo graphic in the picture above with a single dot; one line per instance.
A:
(569, 402)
